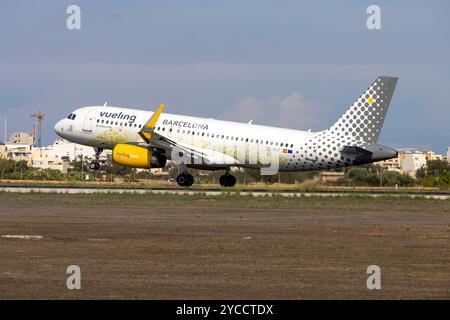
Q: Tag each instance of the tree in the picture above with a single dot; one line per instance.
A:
(434, 168)
(435, 174)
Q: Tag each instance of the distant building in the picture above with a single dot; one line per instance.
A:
(19, 152)
(58, 155)
(21, 137)
(448, 154)
(412, 161)
(68, 151)
(393, 164)
(431, 155)
(43, 158)
(3, 153)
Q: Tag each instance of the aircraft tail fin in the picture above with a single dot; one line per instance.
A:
(364, 119)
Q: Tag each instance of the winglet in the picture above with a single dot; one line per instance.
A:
(149, 127)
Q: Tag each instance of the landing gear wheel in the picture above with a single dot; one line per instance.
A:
(190, 180)
(185, 180)
(94, 165)
(231, 181)
(227, 180)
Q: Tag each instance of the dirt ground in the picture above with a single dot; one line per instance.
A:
(226, 247)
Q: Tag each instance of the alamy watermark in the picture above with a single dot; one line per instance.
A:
(374, 280)
(73, 21)
(374, 20)
(74, 280)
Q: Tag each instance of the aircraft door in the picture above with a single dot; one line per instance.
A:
(311, 151)
(88, 121)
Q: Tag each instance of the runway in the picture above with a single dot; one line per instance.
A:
(165, 246)
(217, 192)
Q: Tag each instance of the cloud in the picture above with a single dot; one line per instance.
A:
(292, 111)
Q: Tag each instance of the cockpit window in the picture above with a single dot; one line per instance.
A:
(71, 116)
(74, 116)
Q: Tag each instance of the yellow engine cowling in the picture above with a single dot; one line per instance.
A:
(137, 157)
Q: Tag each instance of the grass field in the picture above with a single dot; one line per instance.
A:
(225, 247)
(152, 184)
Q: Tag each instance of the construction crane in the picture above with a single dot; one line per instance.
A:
(39, 116)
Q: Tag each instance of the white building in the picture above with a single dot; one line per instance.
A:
(59, 154)
(68, 151)
(393, 164)
(431, 155)
(21, 137)
(448, 154)
(19, 152)
(412, 161)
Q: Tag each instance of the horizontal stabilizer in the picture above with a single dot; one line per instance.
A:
(370, 153)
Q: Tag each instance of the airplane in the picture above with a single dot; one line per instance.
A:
(145, 139)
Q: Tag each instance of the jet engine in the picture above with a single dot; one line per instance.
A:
(137, 157)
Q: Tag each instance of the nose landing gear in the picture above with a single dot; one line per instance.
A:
(95, 165)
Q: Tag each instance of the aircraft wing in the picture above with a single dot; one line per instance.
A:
(190, 153)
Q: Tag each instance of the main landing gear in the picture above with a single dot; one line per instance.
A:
(227, 180)
(95, 165)
(185, 179)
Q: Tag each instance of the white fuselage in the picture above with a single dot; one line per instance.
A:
(105, 126)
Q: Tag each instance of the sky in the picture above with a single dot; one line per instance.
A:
(285, 63)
